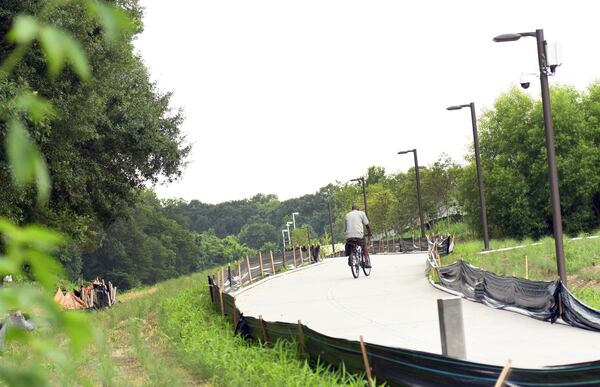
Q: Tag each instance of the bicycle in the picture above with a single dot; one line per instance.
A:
(358, 260)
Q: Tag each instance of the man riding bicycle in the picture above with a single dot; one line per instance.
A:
(354, 232)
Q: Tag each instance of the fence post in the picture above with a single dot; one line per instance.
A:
(263, 330)
(503, 374)
(526, 268)
(222, 304)
(262, 271)
(363, 349)
(452, 331)
(223, 276)
(240, 274)
(272, 263)
(301, 338)
(249, 269)
(229, 275)
(235, 315)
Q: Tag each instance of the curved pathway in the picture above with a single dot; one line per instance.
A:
(396, 306)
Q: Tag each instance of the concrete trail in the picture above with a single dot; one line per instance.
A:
(396, 307)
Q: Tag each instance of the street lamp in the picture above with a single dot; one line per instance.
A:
(486, 240)
(288, 231)
(414, 151)
(362, 180)
(283, 237)
(331, 227)
(545, 70)
(294, 219)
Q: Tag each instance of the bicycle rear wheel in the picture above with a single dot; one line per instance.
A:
(355, 265)
(366, 270)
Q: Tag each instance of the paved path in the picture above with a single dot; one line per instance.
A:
(396, 306)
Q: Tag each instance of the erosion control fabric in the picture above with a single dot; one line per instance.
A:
(543, 300)
(396, 366)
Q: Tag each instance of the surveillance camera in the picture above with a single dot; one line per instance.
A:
(524, 81)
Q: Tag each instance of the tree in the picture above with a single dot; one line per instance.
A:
(115, 132)
(256, 235)
(514, 162)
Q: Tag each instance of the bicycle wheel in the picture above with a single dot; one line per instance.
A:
(354, 267)
(366, 270)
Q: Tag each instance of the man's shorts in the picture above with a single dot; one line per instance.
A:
(354, 241)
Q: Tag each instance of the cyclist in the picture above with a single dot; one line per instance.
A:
(354, 225)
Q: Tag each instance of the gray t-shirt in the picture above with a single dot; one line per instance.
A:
(353, 224)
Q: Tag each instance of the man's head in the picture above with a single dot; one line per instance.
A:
(354, 206)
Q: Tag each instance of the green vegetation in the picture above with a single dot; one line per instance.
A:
(582, 259)
(169, 334)
(204, 343)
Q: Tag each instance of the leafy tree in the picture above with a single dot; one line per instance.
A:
(515, 166)
(255, 235)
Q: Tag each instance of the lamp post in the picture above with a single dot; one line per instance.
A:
(546, 69)
(294, 219)
(486, 239)
(414, 151)
(283, 238)
(288, 231)
(331, 228)
(362, 181)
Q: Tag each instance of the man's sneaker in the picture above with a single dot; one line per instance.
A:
(349, 262)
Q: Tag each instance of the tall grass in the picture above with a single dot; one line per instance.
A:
(205, 343)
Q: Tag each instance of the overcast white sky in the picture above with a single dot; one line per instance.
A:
(284, 97)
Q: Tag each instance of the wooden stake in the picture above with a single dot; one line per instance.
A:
(272, 263)
(263, 330)
(503, 374)
(526, 268)
(301, 338)
(262, 271)
(294, 256)
(223, 276)
(235, 315)
(222, 304)
(249, 269)
(240, 273)
(363, 349)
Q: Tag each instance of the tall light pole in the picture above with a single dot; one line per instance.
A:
(294, 219)
(362, 181)
(331, 228)
(288, 231)
(545, 69)
(283, 238)
(486, 239)
(414, 151)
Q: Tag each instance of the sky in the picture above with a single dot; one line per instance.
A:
(285, 97)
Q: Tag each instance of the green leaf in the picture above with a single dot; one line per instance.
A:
(45, 269)
(76, 57)
(24, 30)
(26, 163)
(36, 107)
(52, 40)
(114, 20)
(21, 153)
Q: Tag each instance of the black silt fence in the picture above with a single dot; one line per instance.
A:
(542, 300)
(397, 366)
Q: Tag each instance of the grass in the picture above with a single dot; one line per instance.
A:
(205, 343)
(582, 262)
(169, 335)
